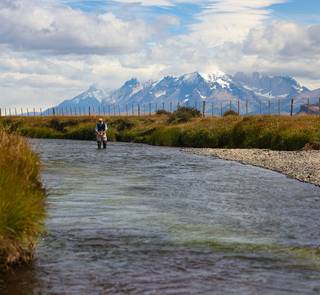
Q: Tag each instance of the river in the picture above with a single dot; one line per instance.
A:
(137, 219)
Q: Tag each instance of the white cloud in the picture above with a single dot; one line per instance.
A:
(50, 52)
(279, 47)
(31, 25)
(230, 20)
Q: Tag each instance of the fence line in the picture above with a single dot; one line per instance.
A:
(207, 108)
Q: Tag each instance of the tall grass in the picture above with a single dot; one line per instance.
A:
(270, 132)
(22, 209)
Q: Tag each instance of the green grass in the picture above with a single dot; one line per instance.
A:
(22, 208)
(270, 132)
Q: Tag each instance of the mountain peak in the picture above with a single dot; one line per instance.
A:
(132, 81)
(191, 77)
(93, 87)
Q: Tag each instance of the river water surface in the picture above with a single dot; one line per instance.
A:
(138, 219)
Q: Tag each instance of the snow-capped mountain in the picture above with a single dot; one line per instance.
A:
(191, 89)
(92, 97)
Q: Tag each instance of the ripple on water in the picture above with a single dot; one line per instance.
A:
(149, 220)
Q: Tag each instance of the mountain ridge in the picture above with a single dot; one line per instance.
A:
(193, 88)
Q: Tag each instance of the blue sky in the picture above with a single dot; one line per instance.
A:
(51, 50)
(306, 11)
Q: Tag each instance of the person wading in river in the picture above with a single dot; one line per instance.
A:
(101, 133)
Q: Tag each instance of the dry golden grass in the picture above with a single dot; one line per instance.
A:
(273, 132)
(22, 208)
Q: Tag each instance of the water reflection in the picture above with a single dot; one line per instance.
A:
(149, 220)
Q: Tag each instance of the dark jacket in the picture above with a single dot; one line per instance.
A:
(101, 127)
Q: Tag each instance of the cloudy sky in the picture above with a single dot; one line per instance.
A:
(51, 50)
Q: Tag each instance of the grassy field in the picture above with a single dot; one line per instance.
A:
(270, 132)
(22, 208)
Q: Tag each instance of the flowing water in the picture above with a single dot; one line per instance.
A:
(138, 219)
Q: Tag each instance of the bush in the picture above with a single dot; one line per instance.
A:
(183, 114)
(121, 124)
(86, 132)
(312, 146)
(162, 112)
(230, 113)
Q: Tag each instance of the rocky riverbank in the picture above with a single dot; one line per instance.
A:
(302, 165)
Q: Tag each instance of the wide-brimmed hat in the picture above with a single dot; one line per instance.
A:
(100, 119)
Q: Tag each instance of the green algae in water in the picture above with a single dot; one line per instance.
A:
(309, 255)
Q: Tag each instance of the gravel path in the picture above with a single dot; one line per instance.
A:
(302, 165)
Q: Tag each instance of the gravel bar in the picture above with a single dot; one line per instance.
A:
(301, 165)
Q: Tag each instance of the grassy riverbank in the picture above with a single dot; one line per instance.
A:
(21, 201)
(269, 132)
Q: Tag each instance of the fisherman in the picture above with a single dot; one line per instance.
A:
(101, 132)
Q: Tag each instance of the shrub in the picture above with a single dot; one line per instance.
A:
(183, 114)
(230, 113)
(56, 125)
(312, 146)
(86, 132)
(121, 124)
(162, 112)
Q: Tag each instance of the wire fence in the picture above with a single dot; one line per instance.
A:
(207, 108)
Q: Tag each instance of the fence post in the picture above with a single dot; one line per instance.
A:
(212, 109)
(89, 111)
(0, 113)
(163, 106)
(279, 107)
(138, 109)
(260, 105)
(246, 107)
(132, 109)
(144, 109)
(170, 106)
(221, 109)
(291, 109)
(269, 107)
(150, 109)
(204, 108)
(230, 105)
(238, 107)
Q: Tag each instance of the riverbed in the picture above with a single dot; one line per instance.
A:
(137, 219)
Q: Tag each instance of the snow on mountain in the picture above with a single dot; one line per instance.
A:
(92, 97)
(193, 88)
